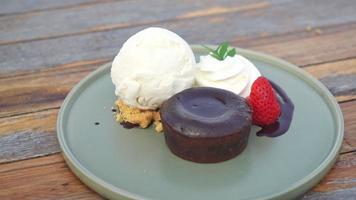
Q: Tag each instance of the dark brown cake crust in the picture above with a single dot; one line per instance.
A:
(206, 125)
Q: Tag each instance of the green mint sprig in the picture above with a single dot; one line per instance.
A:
(222, 51)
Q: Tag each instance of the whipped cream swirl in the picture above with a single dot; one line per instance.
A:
(235, 74)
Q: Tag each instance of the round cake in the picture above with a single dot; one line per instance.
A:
(205, 124)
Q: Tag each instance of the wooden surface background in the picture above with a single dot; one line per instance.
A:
(47, 46)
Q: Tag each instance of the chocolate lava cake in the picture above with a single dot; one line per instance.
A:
(205, 124)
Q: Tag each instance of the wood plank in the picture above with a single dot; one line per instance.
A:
(15, 7)
(41, 121)
(24, 145)
(49, 178)
(309, 31)
(28, 136)
(339, 77)
(318, 49)
(342, 176)
(112, 15)
(349, 112)
(340, 182)
(104, 45)
(344, 194)
(53, 179)
(27, 92)
(128, 14)
(30, 163)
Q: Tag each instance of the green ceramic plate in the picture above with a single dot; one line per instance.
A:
(119, 163)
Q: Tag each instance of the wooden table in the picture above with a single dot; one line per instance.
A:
(47, 46)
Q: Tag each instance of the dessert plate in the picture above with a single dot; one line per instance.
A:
(135, 163)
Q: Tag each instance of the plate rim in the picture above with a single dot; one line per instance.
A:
(299, 187)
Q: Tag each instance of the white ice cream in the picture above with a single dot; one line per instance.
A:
(152, 65)
(235, 74)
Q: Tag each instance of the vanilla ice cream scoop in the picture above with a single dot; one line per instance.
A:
(235, 74)
(152, 65)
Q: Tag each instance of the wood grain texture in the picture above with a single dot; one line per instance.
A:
(104, 45)
(28, 92)
(344, 194)
(49, 177)
(30, 163)
(112, 15)
(339, 77)
(59, 23)
(340, 183)
(16, 7)
(316, 49)
(349, 111)
(342, 176)
(43, 122)
(27, 136)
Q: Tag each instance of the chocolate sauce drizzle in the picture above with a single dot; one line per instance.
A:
(282, 125)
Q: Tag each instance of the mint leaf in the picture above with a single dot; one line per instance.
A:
(215, 56)
(232, 52)
(222, 51)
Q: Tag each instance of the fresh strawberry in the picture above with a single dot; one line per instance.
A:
(263, 101)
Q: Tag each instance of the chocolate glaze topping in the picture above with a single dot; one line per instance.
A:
(282, 125)
(206, 112)
(206, 125)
